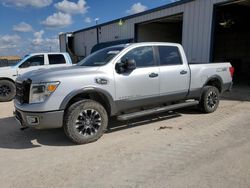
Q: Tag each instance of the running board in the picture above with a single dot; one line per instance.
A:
(125, 117)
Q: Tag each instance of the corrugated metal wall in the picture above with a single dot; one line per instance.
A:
(84, 42)
(62, 41)
(197, 27)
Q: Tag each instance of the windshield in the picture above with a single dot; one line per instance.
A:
(101, 57)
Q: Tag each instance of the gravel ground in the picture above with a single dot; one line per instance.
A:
(180, 149)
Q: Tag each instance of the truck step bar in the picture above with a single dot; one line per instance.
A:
(133, 115)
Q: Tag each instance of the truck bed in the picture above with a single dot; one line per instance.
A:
(201, 72)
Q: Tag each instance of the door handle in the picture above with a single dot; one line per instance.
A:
(153, 75)
(183, 72)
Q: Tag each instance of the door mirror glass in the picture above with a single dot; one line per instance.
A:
(127, 65)
(130, 64)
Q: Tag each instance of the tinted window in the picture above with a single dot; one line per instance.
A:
(101, 57)
(169, 55)
(55, 59)
(37, 60)
(143, 56)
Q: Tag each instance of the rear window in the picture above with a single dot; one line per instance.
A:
(55, 59)
(169, 55)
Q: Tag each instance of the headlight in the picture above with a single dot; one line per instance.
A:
(39, 92)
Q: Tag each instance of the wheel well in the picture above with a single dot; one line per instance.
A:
(93, 95)
(8, 80)
(215, 82)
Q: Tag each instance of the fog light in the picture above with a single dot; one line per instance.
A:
(33, 120)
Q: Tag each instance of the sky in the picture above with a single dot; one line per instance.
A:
(28, 26)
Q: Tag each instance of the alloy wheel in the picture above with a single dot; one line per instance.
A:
(4, 90)
(212, 99)
(88, 122)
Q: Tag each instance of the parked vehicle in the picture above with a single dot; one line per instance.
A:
(30, 62)
(126, 81)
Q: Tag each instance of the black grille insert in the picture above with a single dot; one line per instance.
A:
(23, 91)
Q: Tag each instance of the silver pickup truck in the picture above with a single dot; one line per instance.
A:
(126, 81)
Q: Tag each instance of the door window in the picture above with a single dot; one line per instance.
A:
(169, 55)
(55, 59)
(143, 56)
(37, 60)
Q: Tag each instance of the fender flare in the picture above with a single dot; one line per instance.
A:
(214, 77)
(76, 92)
(9, 79)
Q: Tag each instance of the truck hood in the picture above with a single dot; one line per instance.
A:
(4, 71)
(5, 68)
(54, 74)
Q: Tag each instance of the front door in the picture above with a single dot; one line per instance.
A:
(32, 63)
(137, 87)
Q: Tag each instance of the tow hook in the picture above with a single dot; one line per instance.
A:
(23, 128)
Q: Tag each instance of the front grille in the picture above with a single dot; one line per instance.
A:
(23, 91)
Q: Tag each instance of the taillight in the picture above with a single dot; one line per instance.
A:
(231, 69)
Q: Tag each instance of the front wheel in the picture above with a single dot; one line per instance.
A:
(85, 121)
(7, 90)
(210, 99)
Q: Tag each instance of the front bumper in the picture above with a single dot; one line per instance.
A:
(39, 120)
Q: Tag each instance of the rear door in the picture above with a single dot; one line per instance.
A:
(174, 74)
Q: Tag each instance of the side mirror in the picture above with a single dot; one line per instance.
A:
(130, 64)
(125, 66)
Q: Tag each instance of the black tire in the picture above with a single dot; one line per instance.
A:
(210, 99)
(7, 90)
(85, 121)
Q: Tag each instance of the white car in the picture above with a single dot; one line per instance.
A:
(31, 62)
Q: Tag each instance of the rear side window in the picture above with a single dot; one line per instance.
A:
(55, 59)
(169, 55)
(144, 56)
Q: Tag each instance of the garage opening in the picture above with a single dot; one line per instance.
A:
(168, 29)
(232, 38)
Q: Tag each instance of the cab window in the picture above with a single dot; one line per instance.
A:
(143, 56)
(37, 60)
(55, 59)
(169, 55)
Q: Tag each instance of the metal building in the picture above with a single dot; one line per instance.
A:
(209, 30)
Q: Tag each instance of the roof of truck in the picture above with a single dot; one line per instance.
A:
(47, 53)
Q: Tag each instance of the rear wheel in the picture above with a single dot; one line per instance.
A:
(85, 121)
(7, 90)
(210, 99)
